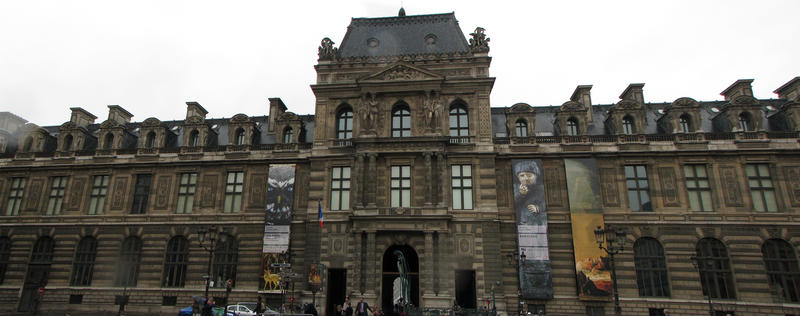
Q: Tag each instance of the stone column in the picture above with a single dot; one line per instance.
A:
(427, 284)
(373, 266)
(359, 183)
(441, 159)
(429, 176)
(360, 269)
(373, 179)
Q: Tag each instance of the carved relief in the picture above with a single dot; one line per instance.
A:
(208, 191)
(35, 194)
(608, 185)
(162, 192)
(464, 244)
(730, 185)
(793, 177)
(337, 245)
(257, 194)
(76, 193)
(118, 196)
(669, 186)
(402, 73)
(553, 184)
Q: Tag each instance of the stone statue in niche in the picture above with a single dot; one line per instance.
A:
(479, 43)
(326, 49)
(369, 113)
(433, 107)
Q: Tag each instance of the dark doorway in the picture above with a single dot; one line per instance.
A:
(391, 276)
(465, 289)
(337, 288)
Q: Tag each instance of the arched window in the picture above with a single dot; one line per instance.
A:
(651, 267)
(401, 121)
(459, 121)
(43, 251)
(128, 268)
(83, 265)
(627, 125)
(194, 138)
(150, 141)
(685, 122)
(572, 127)
(175, 262)
(226, 259)
(109, 141)
(716, 276)
(288, 135)
(27, 144)
(5, 254)
(521, 128)
(745, 122)
(782, 269)
(67, 143)
(344, 124)
(239, 136)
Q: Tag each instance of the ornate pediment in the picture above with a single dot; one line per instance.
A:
(288, 117)
(571, 106)
(193, 120)
(151, 122)
(684, 103)
(744, 100)
(521, 108)
(628, 105)
(240, 118)
(109, 124)
(67, 126)
(402, 72)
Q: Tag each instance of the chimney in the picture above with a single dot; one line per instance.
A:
(633, 93)
(740, 87)
(118, 114)
(583, 95)
(195, 109)
(81, 117)
(276, 108)
(790, 90)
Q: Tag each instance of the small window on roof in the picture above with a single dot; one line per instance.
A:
(430, 39)
(373, 42)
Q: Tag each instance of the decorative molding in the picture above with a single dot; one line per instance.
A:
(35, 194)
(792, 174)
(257, 193)
(162, 192)
(464, 245)
(730, 185)
(208, 190)
(76, 193)
(118, 196)
(669, 186)
(608, 186)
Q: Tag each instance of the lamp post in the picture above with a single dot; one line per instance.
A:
(612, 241)
(517, 260)
(701, 264)
(209, 240)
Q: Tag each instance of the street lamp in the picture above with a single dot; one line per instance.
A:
(613, 242)
(209, 240)
(494, 306)
(517, 260)
(701, 264)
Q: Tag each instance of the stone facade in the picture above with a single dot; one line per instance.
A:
(400, 123)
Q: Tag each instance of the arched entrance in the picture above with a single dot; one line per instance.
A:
(392, 286)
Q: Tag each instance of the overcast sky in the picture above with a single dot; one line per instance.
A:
(150, 57)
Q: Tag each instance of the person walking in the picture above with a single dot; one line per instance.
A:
(363, 308)
(347, 308)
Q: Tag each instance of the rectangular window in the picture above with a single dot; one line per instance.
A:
(56, 199)
(340, 188)
(462, 187)
(98, 196)
(186, 190)
(141, 193)
(401, 186)
(762, 191)
(233, 192)
(15, 195)
(638, 189)
(698, 188)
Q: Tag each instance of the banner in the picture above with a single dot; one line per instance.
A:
(535, 274)
(586, 211)
(278, 219)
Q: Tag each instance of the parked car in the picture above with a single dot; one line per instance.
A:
(241, 310)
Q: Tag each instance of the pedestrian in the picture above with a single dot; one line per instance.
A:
(362, 309)
(259, 306)
(666, 312)
(207, 308)
(347, 308)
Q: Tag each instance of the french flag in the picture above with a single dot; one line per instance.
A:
(319, 213)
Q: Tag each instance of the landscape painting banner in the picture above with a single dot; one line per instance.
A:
(277, 221)
(535, 274)
(591, 262)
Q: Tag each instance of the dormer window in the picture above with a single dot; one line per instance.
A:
(67, 143)
(521, 128)
(150, 141)
(239, 136)
(401, 121)
(745, 122)
(344, 124)
(194, 138)
(459, 121)
(627, 125)
(572, 127)
(109, 141)
(685, 123)
(27, 144)
(288, 134)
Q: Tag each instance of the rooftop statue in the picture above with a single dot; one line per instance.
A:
(479, 43)
(326, 49)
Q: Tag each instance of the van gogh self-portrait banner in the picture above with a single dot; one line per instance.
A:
(535, 274)
(591, 262)
(278, 218)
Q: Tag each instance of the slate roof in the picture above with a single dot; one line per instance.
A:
(403, 35)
